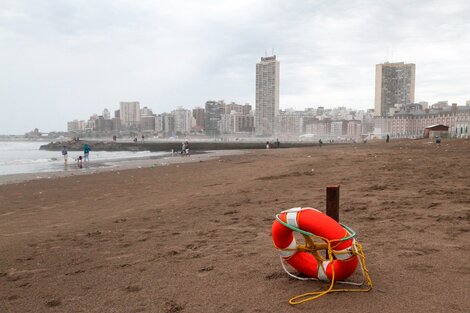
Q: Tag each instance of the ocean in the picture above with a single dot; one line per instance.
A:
(19, 157)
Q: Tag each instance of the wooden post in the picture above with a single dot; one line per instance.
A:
(332, 203)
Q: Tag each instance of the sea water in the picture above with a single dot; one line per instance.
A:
(17, 157)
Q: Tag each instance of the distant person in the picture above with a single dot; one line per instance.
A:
(438, 140)
(65, 154)
(79, 162)
(320, 143)
(388, 138)
(114, 138)
(267, 144)
(143, 138)
(186, 149)
(278, 144)
(86, 152)
(183, 148)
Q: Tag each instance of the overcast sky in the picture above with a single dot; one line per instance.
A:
(67, 59)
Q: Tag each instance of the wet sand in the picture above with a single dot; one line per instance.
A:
(94, 167)
(195, 237)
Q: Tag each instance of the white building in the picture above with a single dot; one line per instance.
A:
(76, 125)
(183, 120)
(130, 114)
(106, 114)
(267, 96)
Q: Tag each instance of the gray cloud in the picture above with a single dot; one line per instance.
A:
(62, 60)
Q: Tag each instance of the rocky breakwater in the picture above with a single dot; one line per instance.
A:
(164, 145)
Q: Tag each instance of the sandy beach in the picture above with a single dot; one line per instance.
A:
(196, 237)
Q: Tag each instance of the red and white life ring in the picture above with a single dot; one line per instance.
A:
(319, 224)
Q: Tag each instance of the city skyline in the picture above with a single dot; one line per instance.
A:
(67, 59)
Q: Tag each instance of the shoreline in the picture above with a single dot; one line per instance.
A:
(124, 164)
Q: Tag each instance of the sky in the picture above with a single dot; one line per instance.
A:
(62, 60)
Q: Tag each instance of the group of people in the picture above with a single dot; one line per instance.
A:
(277, 144)
(80, 159)
(185, 149)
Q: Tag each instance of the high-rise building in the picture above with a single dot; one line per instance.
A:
(183, 120)
(267, 96)
(213, 114)
(130, 114)
(394, 85)
(106, 114)
(198, 115)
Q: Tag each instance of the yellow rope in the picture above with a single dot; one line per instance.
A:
(313, 248)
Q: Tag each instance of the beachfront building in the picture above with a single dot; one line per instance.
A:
(147, 123)
(320, 128)
(198, 115)
(236, 123)
(339, 128)
(168, 124)
(244, 123)
(412, 119)
(130, 114)
(243, 109)
(213, 114)
(354, 129)
(147, 120)
(394, 85)
(159, 123)
(76, 126)
(106, 114)
(183, 121)
(103, 125)
(289, 123)
(267, 96)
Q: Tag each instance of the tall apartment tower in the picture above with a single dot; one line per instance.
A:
(130, 114)
(267, 96)
(394, 84)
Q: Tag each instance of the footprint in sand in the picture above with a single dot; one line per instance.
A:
(173, 307)
(133, 288)
(53, 303)
(276, 275)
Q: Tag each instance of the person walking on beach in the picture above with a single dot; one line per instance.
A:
(388, 138)
(183, 148)
(86, 152)
(186, 149)
(267, 144)
(65, 154)
(320, 143)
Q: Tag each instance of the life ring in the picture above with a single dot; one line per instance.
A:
(319, 224)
